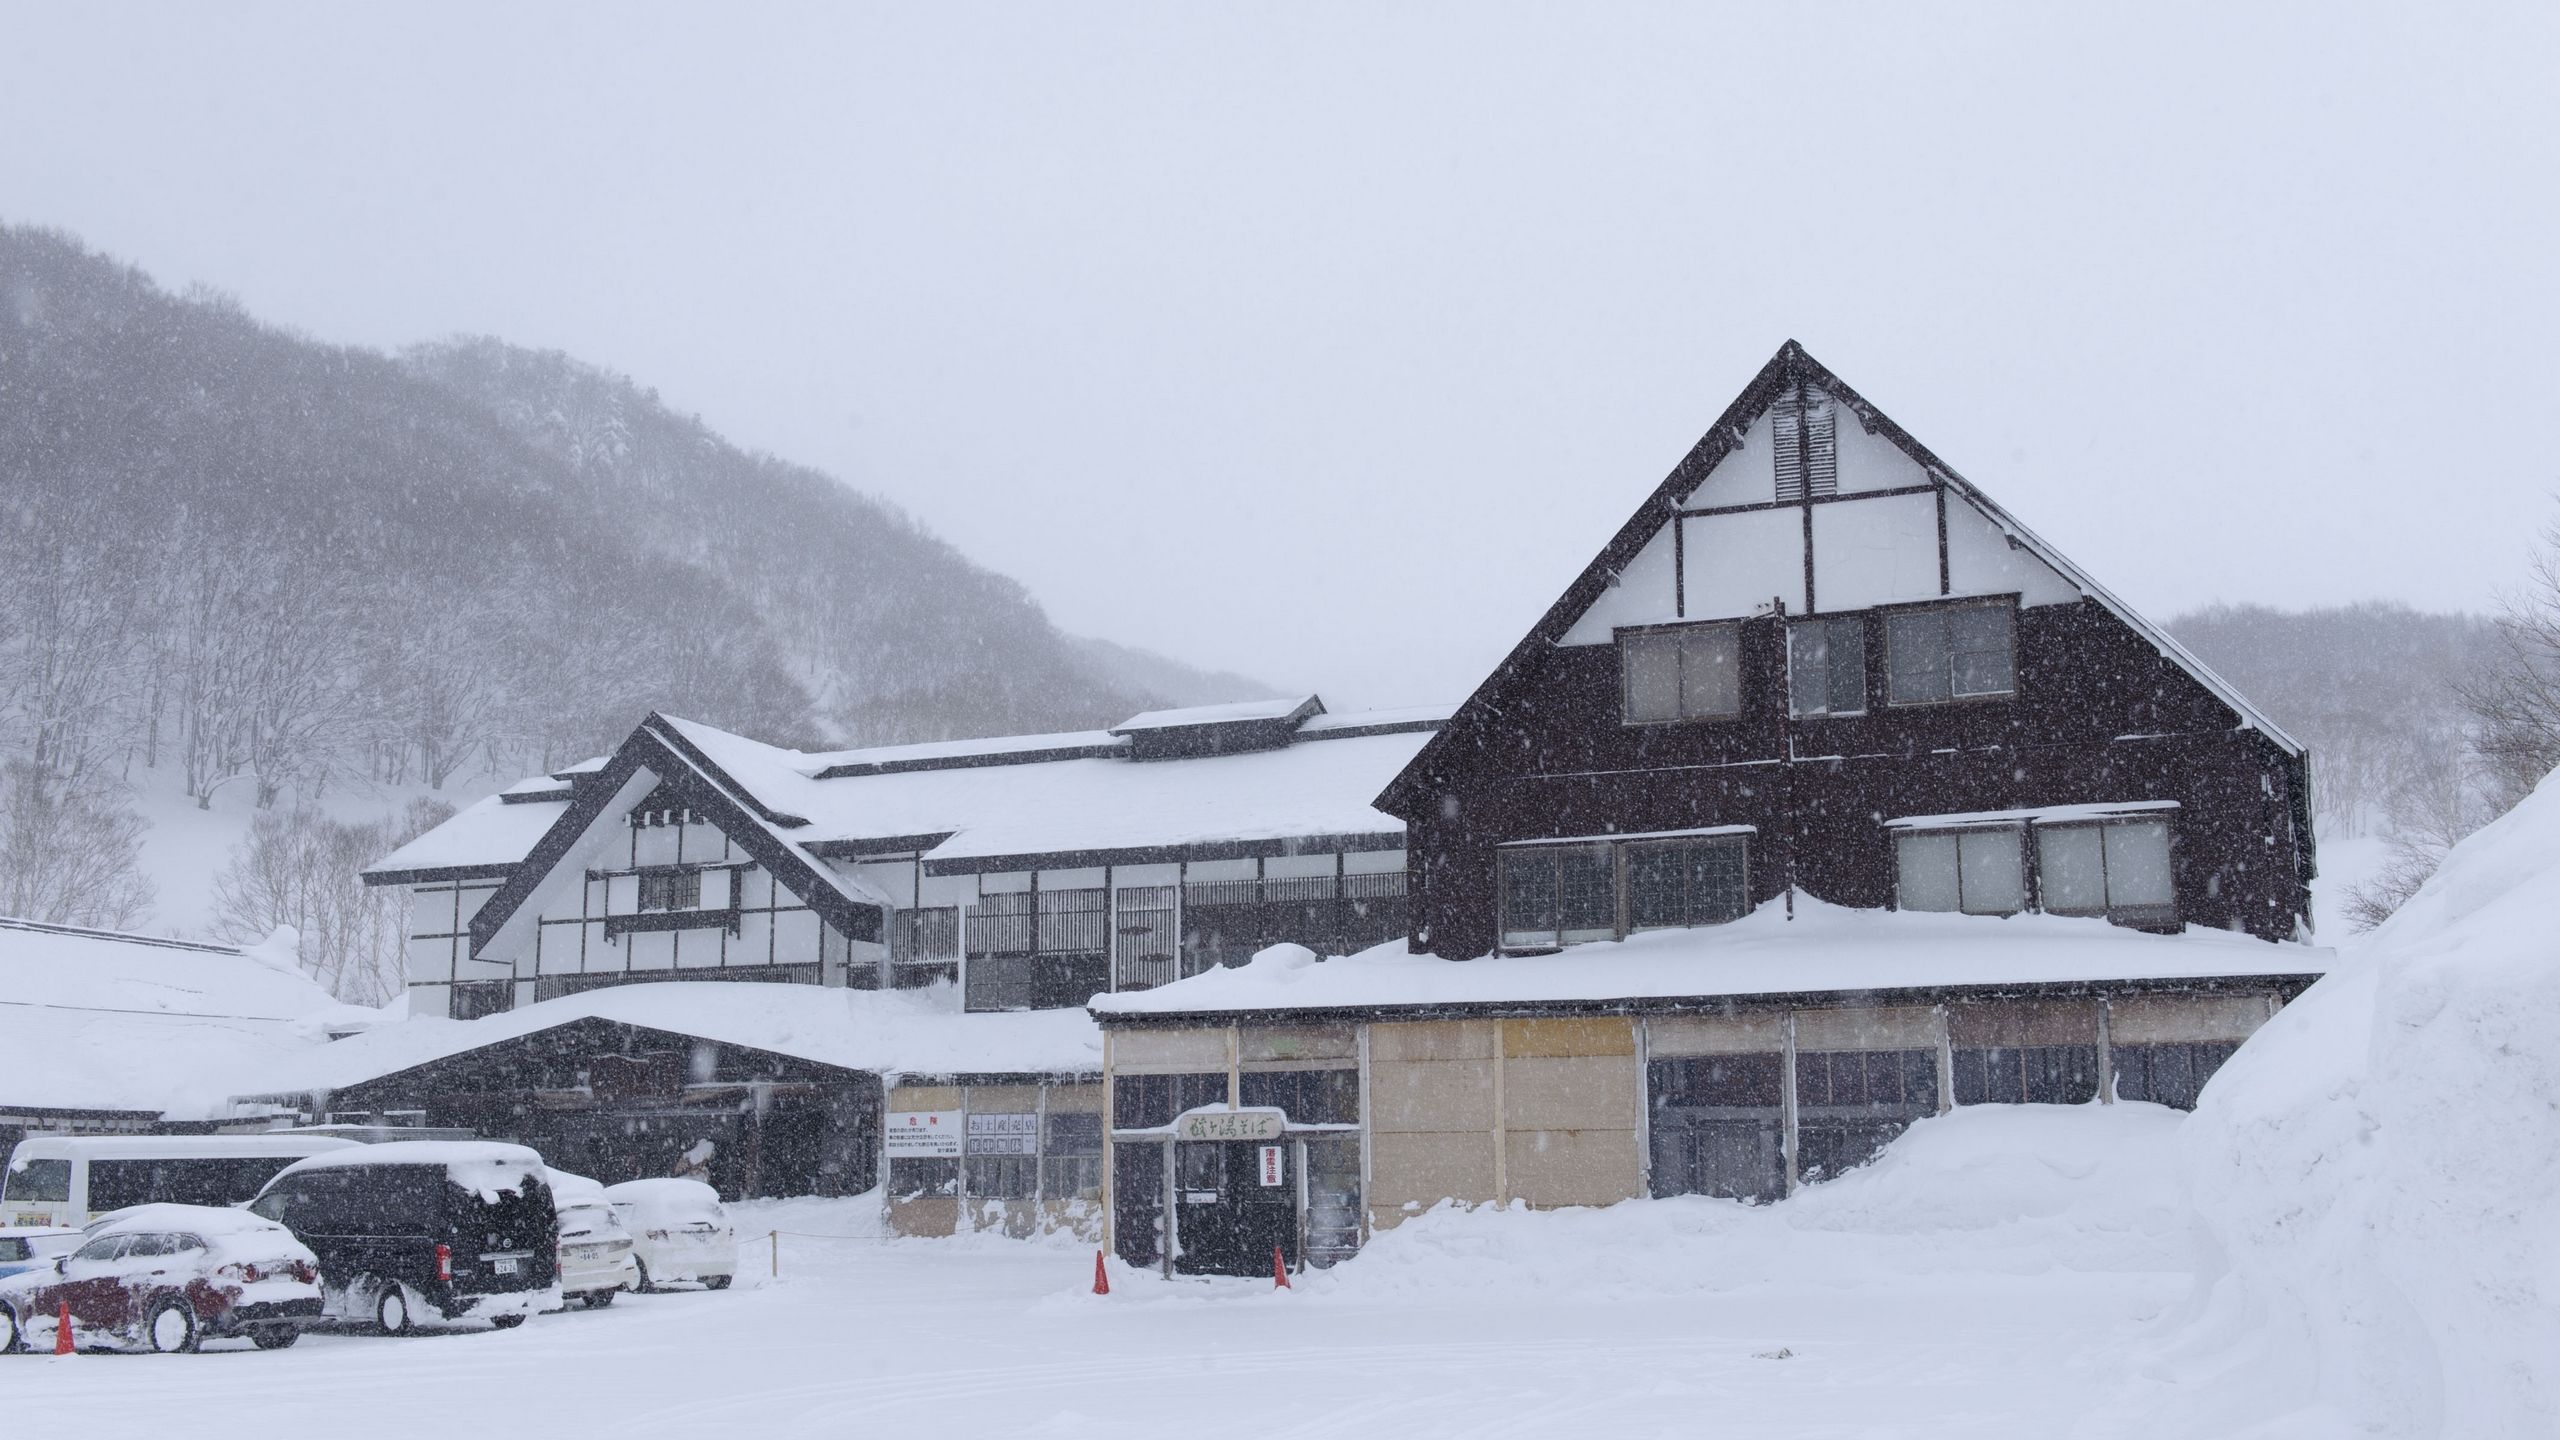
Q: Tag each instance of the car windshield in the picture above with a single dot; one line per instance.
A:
(38, 1181)
(16, 1247)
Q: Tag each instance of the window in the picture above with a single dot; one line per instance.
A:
(1073, 1167)
(472, 999)
(914, 1177)
(2171, 1075)
(2115, 869)
(1225, 921)
(1148, 941)
(1003, 1177)
(39, 1182)
(670, 889)
(1956, 652)
(1558, 895)
(1685, 882)
(1717, 1126)
(1979, 872)
(1144, 1102)
(1694, 673)
(1308, 1097)
(1850, 1104)
(2027, 1075)
(1827, 666)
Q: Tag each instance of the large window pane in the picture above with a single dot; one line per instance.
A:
(2138, 866)
(1711, 672)
(1927, 875)
(1827, 666)
(1528, 898)
(1993, 867)
(1652, 664)
(1587, 893)
(2073, 878)
(1915, 651)
(1656, 887)
(1978, 643)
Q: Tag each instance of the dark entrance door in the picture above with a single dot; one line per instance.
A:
(1137, 1200)
(1238, 1199)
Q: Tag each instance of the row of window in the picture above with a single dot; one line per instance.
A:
(1308, 1097)
(1933, 656)
(1068, 1165)
(1551, 896)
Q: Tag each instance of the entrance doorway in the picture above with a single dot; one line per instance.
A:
(1237, 1200)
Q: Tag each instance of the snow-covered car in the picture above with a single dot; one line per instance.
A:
(23, 1247)
(168, 1278)
(596, 1262)
(678, 1231)
(414, 1232)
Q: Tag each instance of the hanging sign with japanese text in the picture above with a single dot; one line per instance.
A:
(1230, 1125)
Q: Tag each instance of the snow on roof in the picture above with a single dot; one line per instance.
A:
(1365, 719)
(489, 834)
(2043, 815)
(95, 1020)
(936, 752)
(890, 1031)
(1824, 948)
(1232, 712)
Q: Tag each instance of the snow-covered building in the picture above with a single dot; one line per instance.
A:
(103, 1032)
(1826, 797)
(1025, 872)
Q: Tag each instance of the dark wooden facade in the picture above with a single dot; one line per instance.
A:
(2103, 711)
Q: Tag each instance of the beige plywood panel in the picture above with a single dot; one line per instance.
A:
(928, 1216)
(1168, 1052)
(1602, 1035)
(1427, 1169)
(2023, 1022)
(1297, 1043)
(1671, 1035)
(1076, 1099)
(1428, 1095)
(2184, 1019)
(1582, 1092)
(1432, 1040)
(1903, 1027)
(924, 1097)
(1004, 1099)
(1573, 1167)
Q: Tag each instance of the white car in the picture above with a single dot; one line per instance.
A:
(596, 1260)
(678, 1232)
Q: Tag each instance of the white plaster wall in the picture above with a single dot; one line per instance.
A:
(1880, 551)
(1737, 562)
(1642, 596)
(1981, 561)
(1747, 476)
(1870, 461)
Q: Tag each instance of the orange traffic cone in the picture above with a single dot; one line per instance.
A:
(1279, 1270)
(1101, 1279)
(62, 1330)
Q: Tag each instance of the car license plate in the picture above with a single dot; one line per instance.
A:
(505, 1265)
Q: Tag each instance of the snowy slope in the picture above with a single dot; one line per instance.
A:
(2378, 1172)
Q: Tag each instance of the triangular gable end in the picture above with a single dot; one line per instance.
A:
(1795, 431)
(651, 760)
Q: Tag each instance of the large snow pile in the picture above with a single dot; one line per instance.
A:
(2379, 1169)
(1987, 1190)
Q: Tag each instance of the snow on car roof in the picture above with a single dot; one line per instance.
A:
(1823, 948)
(100, 1020)
(489, 834)
(205, 1220)
(486, 1167)
(889, 1031)
(572, 1189)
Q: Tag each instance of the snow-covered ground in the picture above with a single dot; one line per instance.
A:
(1981, 1280)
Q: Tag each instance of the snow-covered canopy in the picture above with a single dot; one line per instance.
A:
(95, 1020)
(1822, 948)
(885, 1031)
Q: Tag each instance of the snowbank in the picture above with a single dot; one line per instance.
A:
(2379, 1174)
(1990, 1190)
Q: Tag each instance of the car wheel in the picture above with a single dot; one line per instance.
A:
(391, 1312)
(11, 1340)
(715, 1282)
(644, 1287)
(506, 1322)
(171, 1327)
(598, 1299)
(274, 1337)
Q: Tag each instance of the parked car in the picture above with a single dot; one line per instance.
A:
(678, 1232)
(168, 1278)
(25, 1246)
(421, 1232)
(596, 1262)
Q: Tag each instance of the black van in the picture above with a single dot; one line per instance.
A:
(414, 1231)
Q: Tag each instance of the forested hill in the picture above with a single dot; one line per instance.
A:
(245, 553)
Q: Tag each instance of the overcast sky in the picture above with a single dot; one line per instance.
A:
(1327, 343)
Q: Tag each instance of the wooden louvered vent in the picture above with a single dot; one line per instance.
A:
(1807, 449)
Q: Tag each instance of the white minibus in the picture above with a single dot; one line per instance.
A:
(73, 1179)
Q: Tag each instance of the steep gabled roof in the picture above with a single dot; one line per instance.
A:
(1789, 367)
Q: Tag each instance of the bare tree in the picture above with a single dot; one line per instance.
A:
(2516, 705)
(69, 855)
(301, 868)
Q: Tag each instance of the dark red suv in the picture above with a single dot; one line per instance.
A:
(167, 1278)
